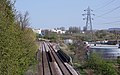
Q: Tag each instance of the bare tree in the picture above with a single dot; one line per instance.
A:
(23, 20)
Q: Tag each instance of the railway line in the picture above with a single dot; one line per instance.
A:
(52, 63)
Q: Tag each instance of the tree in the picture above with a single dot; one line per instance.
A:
(23, 20)
(17, 46)
(27, 43)
(74, 29)
(79, 50)
(104, 34)
(118, 61)
(100, 66)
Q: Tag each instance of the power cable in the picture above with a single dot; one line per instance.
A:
(109, 11)
(117, 17)
(111, 22)
(105, 5)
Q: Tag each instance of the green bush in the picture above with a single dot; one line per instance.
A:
(100, 66)
(17, 46)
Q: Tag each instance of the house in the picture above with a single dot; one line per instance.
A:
(58, 31)
(37, 31)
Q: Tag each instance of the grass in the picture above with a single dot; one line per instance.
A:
(31, 70)
(79, 68)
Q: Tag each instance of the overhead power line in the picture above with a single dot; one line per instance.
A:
(109, 11)
(112, 22)
(105, 5)
(116, 17)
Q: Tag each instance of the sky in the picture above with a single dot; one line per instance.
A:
(65, 13)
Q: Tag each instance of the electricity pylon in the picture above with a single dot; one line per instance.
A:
(88, 17)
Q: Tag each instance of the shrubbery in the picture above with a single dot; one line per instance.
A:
(17, 46)
(100, 66)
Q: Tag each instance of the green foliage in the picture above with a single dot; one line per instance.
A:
(79, 68)
(100, 66)
(118, 60)
(51, 36)
(103, 34)
(17, 47)
(28, 49)
(78, 47)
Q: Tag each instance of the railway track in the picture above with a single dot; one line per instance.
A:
(52, 63)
